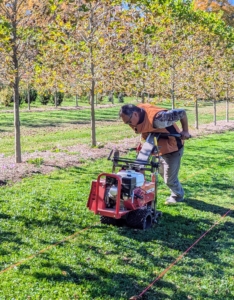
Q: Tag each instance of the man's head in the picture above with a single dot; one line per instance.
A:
(130, 114)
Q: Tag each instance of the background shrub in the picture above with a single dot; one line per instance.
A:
(24, 96)
(59, 98)
(6, 96)
(44, 98)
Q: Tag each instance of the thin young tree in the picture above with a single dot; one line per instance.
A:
(90, 33)
(20, 24)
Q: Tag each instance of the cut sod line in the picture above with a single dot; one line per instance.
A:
(180, 257)
(46, 249)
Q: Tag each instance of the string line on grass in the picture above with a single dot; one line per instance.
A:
(46, 249)
(180, 257)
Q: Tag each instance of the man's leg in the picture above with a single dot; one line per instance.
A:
(169, 169)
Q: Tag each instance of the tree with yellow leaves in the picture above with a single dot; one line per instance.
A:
(220, 6)
(21, 22)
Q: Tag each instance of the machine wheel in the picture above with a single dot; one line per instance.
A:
(156, 215)
(107, 220)
(112, 221)
(140, 218)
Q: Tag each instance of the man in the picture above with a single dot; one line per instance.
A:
(146, 118)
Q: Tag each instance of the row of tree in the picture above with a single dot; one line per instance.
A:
(30, 95)
(46, 97)
(166, 48)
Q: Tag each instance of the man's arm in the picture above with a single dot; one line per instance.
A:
(165, 119)
(185, 131)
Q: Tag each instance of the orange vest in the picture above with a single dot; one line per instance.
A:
(166, 144)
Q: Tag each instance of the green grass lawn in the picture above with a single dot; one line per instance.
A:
(103, 262)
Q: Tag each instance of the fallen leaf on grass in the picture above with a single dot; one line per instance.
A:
(64, 273)
(126, 258)
(134, 298)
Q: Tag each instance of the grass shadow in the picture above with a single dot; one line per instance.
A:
(179, 233)
(207, 207)
(103, 283)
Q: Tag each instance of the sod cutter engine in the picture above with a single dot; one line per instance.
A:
(130, 194)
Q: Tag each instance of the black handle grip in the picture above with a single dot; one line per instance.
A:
(109, 157)
(171, 134)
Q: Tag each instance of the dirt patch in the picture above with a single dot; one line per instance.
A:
(43, 162)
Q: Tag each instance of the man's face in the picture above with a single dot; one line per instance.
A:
(132, 120)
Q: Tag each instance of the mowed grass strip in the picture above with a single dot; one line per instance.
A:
(51, 129)
(48, 140)
(106, 262)
(46, 118)
(35, 119)
(41, 132)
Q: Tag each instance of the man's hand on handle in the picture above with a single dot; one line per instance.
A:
(185, 135)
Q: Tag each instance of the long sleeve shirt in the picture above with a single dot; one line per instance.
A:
(165, 119)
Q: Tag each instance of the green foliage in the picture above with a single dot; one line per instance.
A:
(111, 97)
(5, 32)
(100, 98)
(6, 96)
(83, 8)
(84, 97)
(24, 96)
(45, 97)
(121, 97)
(59, 98)
(38, 161)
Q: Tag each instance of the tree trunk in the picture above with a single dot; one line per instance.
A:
(55, 99)
(214, 102)
(227, 106)
(28, 94)
(18, 158)
(196, 113)
(173, 96)
(144, 67)
(76, 100)
(173, 88)
(92, 100)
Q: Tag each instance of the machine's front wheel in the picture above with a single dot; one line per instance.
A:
(140, 218)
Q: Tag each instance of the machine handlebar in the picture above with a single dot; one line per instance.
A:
(109, 157)
(170, 134)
